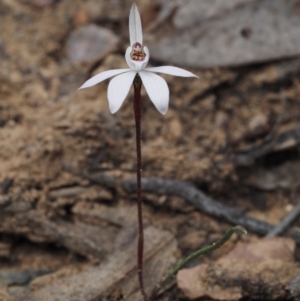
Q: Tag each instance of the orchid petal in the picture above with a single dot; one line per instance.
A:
(135, 26)
(128, 58)
(118, 89)
(172, 71)
(137, 65)
(157, 90)
(101, 77)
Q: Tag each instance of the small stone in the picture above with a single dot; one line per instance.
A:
(258, 126)
(81, 18)
(90, 42)
(259, 121)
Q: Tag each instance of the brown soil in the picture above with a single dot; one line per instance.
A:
(46, 125)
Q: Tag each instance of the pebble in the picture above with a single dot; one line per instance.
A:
(90, 42)
(258, 121)
(81, 18)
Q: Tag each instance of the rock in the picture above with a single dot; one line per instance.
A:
(90, 42)
(255, 270)
(231, 34)
(193, 11)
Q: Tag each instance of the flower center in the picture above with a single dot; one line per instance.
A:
(137, 53)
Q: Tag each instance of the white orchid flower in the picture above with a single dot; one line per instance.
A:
(137, 57)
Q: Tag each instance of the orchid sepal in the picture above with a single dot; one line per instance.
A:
(135, 26)
(137, 57)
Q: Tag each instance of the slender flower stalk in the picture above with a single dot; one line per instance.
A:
(137, 56)
(137, 108)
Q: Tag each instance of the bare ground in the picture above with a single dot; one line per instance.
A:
(233, 133)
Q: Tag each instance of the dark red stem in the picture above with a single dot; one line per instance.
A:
(137, 107)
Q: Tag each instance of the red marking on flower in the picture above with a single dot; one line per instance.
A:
(137, 53)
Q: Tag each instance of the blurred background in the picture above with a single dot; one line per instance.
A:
(234, 134)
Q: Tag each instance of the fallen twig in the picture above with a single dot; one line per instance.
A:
(285, 222)
(190, 193)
